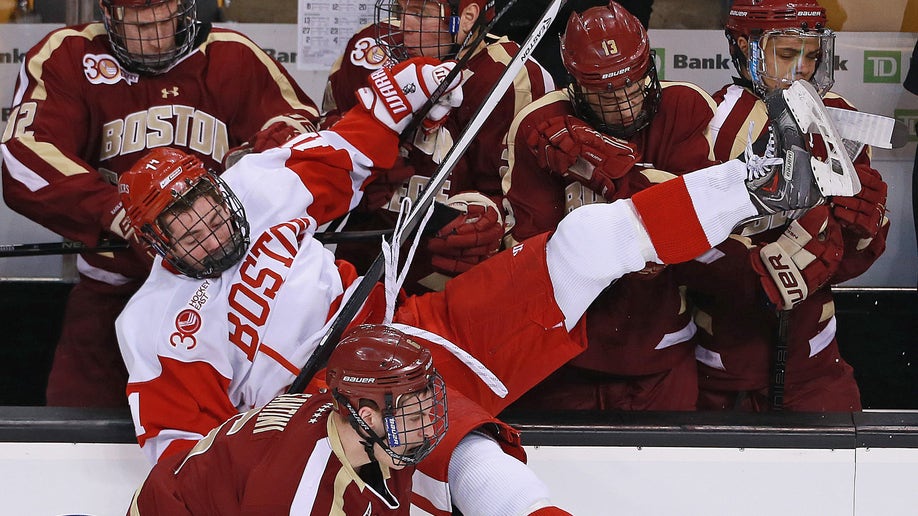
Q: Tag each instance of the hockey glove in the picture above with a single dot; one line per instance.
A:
(572, 149)
(863, 213)
(276, 132)
(801, 260)
(394, 94)
(385, 183)
(471, 237)
(119, 224)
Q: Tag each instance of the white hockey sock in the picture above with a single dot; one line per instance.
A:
(483, 480)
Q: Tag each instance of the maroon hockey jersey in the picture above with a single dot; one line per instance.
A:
(79, 120)
(739, 329)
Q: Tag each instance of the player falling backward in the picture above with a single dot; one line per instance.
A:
(236, 259)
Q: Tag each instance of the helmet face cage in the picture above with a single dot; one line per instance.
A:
(203, 232)
(613, 77)
(779, 57)
(414, 28)
(619, 111)
(414, 422)
(150, 36)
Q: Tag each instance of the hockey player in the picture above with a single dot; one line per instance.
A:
(351, 448)
(237, 263)
(616, 130)
(774, 43)
(89, 102)
(442, 29)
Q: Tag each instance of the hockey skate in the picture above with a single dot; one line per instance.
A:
(780, 176)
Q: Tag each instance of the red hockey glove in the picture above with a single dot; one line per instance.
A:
(379, 192)
(276, 132)
(394, 94)
(470, 238)
(571, 148)
(863, 213)
(801, 260)
(119, 224)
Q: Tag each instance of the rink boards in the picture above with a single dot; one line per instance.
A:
(72, 461)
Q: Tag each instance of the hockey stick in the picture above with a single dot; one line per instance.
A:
(779, 362)
(328, 341)
(69, 247)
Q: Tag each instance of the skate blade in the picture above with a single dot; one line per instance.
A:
(836, 176)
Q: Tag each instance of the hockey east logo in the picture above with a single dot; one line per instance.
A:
(187, 323)
(104, 69)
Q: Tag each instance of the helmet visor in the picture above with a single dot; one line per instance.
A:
(778, 58)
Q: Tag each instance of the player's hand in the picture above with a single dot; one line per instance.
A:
(120, 225)
(802, 259)
(394, 94)
(863, 213)
(385, 183)
(572, 149)
(276, 132)
(471, 237)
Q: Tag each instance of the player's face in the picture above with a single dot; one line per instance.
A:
(413, 422)
(617, 107)
(424, 28)
(201, 234)
(150, 30)
(788, 58)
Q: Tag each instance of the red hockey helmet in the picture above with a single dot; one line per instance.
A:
(614, 83)
(149, 36)
(185, 212)
(379, 365)
(773, 30)
(411, 28)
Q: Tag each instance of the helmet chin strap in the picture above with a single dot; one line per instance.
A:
(368, 436)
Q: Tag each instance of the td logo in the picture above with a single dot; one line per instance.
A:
(910, 117)
(659, 57)
(883, 66)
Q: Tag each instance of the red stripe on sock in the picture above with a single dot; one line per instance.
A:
(671, 221)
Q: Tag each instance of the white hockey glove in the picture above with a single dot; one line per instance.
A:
(394, 94)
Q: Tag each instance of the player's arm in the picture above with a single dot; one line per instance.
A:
(864, 223)
(535, 199)
(45, 177)
(262, 91)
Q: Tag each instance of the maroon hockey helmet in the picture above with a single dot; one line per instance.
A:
(761, 22)
(185, 212)
(150, 36)
(432, 29)
(614, 84)
(380, 365)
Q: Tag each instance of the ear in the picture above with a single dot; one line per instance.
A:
(467, 18)
(372, 418)
(743, 45)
